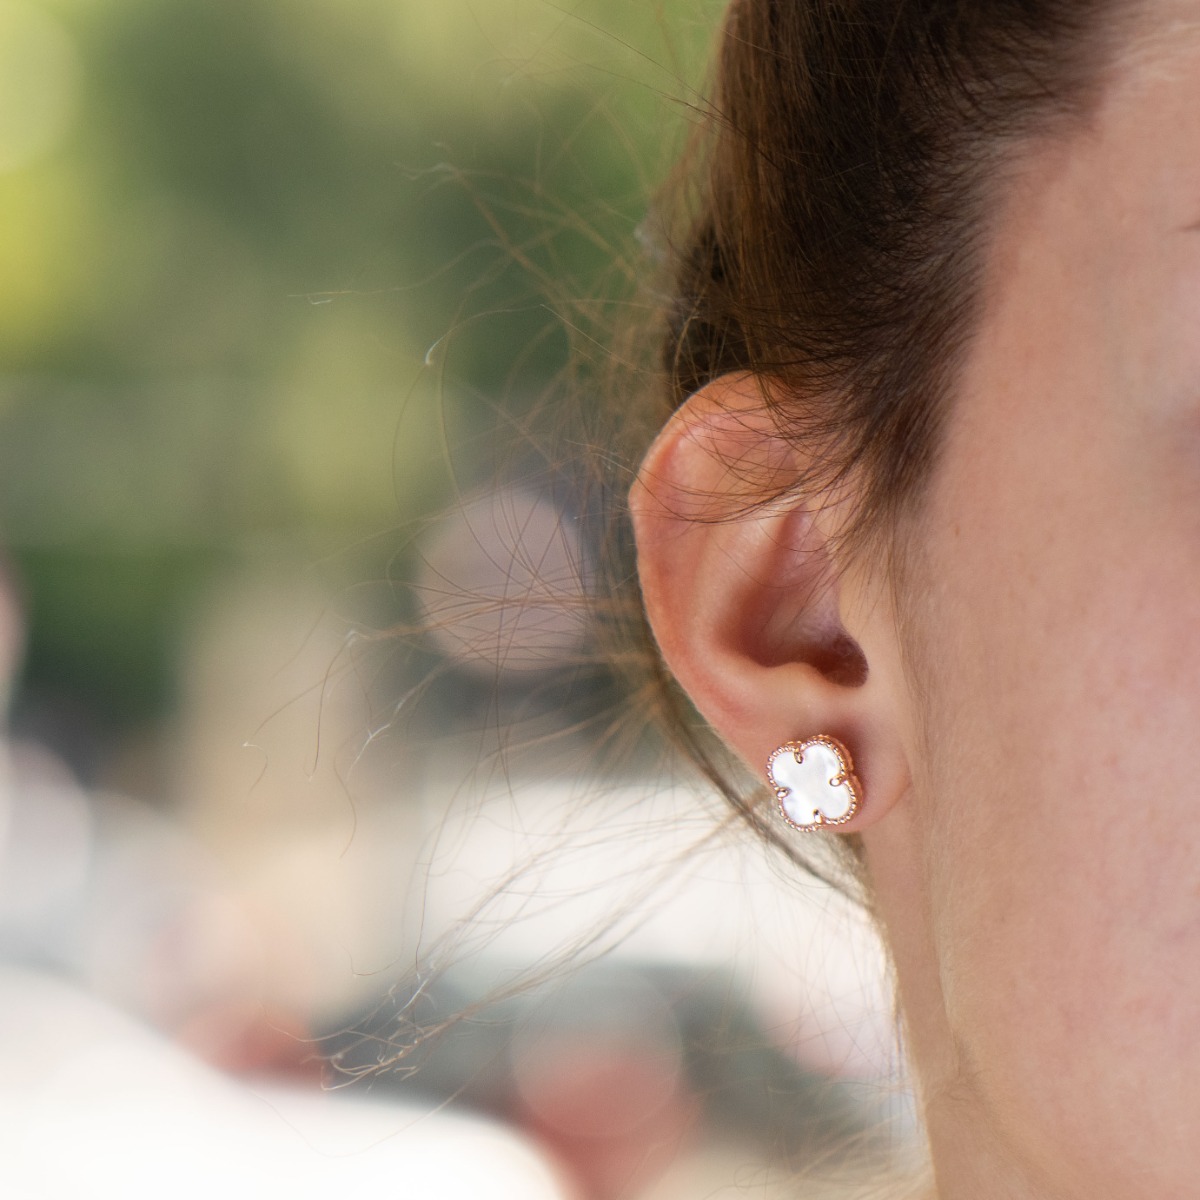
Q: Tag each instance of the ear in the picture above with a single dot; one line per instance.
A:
(772, 641)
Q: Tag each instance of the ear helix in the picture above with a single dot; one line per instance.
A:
(815, 784)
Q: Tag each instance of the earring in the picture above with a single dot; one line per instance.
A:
(815, 784)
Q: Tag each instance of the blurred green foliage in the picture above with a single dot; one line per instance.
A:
(264, 264)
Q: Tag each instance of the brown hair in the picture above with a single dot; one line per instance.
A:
(826, 226)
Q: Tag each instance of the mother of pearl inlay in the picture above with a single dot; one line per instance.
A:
(814, 783)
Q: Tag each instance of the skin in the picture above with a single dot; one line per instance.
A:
(1028, 734)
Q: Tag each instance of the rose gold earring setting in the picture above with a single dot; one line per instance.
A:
(815, 784)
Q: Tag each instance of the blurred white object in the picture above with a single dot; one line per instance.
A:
(94, 1105)
(655, 874)
(107, 891)
(46, 840)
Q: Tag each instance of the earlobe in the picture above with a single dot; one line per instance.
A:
(746, 601)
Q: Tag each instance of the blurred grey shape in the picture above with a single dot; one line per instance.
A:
(502, 584)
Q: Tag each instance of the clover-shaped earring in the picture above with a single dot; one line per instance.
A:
(814, 783)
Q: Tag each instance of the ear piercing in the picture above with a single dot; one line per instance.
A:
(815, 784)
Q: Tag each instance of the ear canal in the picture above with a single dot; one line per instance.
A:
(826, 647)
(841, 661)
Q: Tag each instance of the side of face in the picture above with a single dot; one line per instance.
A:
(1053, 832)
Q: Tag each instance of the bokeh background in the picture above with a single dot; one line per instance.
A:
(266, 268)
(285, 287)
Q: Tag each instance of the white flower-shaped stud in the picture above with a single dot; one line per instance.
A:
(814, 782)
